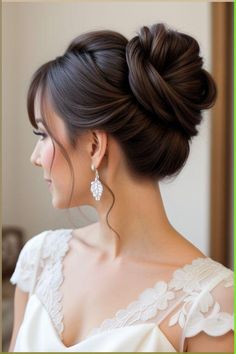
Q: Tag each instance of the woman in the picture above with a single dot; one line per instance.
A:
(116, 117)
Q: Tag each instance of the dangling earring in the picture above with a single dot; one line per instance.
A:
(96, 186)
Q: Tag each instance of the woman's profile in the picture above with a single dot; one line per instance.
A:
(116, 117)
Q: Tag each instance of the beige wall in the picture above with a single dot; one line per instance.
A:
(34, 33)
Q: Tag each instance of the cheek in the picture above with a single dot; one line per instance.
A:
(47, 157)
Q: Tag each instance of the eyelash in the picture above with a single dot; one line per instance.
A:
(41, 134)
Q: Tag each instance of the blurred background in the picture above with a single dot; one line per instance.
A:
(198, 202)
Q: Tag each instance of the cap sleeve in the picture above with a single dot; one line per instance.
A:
(212, 309)
(27, 263)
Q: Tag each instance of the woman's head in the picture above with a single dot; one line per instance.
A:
(147, 94)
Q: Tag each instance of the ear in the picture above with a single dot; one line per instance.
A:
(98, 149)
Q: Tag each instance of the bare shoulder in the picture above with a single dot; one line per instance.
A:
(174, 245)
(84, 231)
(178, 245)
(86, 235)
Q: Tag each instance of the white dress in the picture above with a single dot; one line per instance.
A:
(199, 297)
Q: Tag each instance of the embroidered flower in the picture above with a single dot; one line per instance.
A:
(132, 314)
(188, 281)
(159, 296)
(215, 324)
(190, 276)
(179, 317)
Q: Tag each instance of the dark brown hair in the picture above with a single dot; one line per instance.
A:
(147, 93)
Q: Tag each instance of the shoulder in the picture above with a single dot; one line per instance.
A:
(210, 318)
(34, 243)
(201, 277)
(26, 262)
(55, 245)
(30, 256)
(203, 289)
(87, 236)
(207, 308)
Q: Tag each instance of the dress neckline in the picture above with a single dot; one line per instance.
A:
(124, 310)
(83, 341)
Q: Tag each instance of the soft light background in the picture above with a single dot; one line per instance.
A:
(34, 33)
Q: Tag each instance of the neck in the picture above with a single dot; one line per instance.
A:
(139, 218)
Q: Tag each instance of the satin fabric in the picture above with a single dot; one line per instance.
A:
(37, 334)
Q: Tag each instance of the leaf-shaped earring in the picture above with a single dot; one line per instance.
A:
(96, 185)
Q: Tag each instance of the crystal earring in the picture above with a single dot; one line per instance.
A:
(96, 185)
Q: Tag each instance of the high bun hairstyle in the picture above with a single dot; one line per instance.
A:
(147, 93)
(167, 78)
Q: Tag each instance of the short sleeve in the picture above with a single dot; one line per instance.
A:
(27, 263)
(211, 310)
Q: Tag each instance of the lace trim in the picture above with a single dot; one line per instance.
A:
(26, 263)
(51, 277)
(188, 279)
(146, 307)
(204, 304)
(215, 324)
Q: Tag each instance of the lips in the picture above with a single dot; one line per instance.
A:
(49, 182)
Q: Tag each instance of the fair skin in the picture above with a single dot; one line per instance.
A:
(148, 249)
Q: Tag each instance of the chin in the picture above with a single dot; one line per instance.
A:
(62, 203)
(59, 204)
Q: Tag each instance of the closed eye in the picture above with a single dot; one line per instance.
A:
(41, 134)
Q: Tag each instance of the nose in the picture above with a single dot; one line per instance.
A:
(34, 159)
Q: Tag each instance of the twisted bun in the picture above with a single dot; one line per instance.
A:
(167, 78)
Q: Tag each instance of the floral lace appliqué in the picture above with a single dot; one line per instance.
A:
(27, 262)
(215, 324)
(189, 280)
(145, 308)
(184, 287)
(51, 277)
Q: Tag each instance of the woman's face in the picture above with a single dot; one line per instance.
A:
(61, 178)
